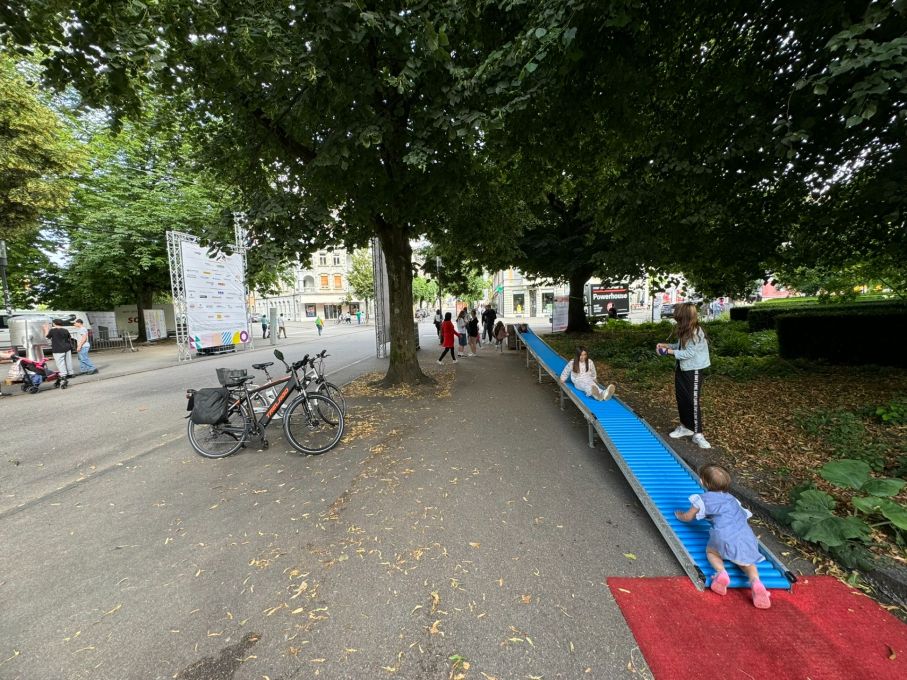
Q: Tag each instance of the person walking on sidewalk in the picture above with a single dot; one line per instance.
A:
(281, 327)
(358, 317)
(472, 331)
(438, 320)
(447, 338)
(264, 326)
(581, 372)
(488, 317)
(461, 332)
(60, 347)
(319, 324)
(692, 354)
(86, 367)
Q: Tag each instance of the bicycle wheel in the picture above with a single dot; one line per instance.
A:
(313, 423)
(219, 441)
(332, 392)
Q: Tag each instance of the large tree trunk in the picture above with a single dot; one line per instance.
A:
(576, 310)
(404, 366)
(143, 301)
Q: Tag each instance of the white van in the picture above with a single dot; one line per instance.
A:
(68, 318)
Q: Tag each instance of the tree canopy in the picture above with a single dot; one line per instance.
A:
(718, 138)
(38, 154)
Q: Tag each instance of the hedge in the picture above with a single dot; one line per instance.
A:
(761, 318)
(740, 313)
(865, 336)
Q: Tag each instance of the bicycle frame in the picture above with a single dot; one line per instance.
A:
(291, 384)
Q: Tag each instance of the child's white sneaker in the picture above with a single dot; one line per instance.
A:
(439, 363)
(700, 441)
(680, 431)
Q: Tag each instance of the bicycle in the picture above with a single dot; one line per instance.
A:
(312, 423)
(262, 395)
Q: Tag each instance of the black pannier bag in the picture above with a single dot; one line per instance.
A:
(209, 406)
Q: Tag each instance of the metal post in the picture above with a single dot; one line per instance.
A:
(591, 434)
(273, 331)
(6, 302)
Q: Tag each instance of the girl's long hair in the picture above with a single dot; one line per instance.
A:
(688, 327)
(579, 350)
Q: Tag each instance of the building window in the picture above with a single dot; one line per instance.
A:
(338, 281)
(519, 302)
(308, 285)
(322, 259)
(324, 280)
(336, 259)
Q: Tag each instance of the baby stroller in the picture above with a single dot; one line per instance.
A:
(36, 372)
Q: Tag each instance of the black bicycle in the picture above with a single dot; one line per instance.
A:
(312, 423)
(263, 395)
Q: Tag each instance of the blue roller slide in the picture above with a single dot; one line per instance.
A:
(661, 479)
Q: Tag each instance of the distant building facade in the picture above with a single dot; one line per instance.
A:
(319, 289)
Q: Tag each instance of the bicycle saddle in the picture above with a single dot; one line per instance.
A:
(258, 367)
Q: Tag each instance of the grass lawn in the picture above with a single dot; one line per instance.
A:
(772, 422)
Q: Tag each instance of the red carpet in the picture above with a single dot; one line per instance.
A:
(822, 631)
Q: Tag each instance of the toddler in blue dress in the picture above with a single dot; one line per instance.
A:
(730, 537)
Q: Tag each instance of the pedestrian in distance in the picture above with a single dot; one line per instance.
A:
(264, 326)
(319, 324)
(581, 372)
(472, 332)
(500, 335)
(448, 331)
(358, 317)
(60, 347)
(730, 536)
(281, 327)
(83, 345)
(438, 320)
(461, 330)
(488, 318)
(691, 351)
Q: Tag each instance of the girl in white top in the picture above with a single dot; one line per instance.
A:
(581, 372)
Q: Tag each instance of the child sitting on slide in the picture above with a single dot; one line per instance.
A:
(581, 372)
(730, 536)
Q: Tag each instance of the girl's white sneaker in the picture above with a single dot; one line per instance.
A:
(680, 431)
(700, 441)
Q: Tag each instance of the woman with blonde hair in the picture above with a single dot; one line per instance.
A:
(692, 354)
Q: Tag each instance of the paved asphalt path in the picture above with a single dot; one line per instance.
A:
(463, 522)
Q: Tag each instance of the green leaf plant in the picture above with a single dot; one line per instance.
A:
(813, 517)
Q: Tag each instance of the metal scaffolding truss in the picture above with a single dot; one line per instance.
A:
(379, 269)
(175, 239)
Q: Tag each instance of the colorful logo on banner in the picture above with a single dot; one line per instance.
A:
(203, 340)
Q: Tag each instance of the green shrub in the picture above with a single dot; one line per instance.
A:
(813, 518)
(762, 316)
(872, 335)
(740, 313)
(844, 432)
(894, 412)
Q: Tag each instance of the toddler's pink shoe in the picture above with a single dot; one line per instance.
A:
(720, 582)
(761, 598)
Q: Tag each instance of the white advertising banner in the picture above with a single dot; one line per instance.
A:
(215, 298)
(559, 318)
(155, 326)
(103, 324)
